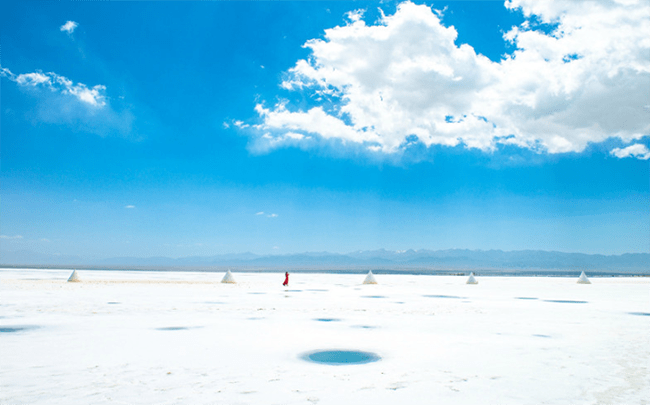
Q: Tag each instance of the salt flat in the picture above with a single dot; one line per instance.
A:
(176, 337)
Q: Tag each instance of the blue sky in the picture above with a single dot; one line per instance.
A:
(177, 129)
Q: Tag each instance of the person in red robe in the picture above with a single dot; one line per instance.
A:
(286, 279)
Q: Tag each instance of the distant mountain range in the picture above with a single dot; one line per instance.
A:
(432, 260)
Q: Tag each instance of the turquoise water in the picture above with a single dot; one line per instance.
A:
(341, 357)
(567, 301)
(16, 328)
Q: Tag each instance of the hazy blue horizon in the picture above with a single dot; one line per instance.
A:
(411, 261)
(317, 252)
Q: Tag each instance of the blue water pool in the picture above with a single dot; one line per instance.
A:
(567, 301)
(327, 319)
(16, 328)
(341, 357)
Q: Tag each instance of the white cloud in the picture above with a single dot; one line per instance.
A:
(62, 101)
(31, 79)
(93, 96)
(69, 27)
(130, 206)
(44, 240)
(586, 81)
(11, 237)
(637, 150)
(267, 215)
(355, 15)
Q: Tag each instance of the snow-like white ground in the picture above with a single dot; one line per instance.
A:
(184, 338)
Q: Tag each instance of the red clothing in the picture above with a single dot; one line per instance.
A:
(286, 279)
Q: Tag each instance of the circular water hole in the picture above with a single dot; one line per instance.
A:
(173, 328)
(340, 357)
(327, 319)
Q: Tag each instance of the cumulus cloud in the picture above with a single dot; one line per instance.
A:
(129, 206)
(379, 86)
(272, 215)
(260, 213)
(69, 27)
(637, 150)
(62, 101)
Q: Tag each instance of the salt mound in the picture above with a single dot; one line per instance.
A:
(471, 279)
(370, 279)
(74, 277)
(583, 279)
(228, 278)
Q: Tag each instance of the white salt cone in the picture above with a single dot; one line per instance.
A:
(471, 279)
(228, 278)
(370, 279)
(74, 277)
(583, 279)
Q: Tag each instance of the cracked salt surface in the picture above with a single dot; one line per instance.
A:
(85, 351)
